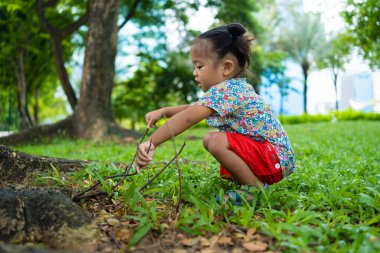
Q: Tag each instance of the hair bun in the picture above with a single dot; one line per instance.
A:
(236, 29)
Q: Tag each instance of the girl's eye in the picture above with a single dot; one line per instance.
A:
(199, 67)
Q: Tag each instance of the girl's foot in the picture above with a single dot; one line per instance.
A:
(236, 196)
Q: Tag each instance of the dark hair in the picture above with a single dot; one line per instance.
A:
(229, 39)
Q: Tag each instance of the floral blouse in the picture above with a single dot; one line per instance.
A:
(240, 110)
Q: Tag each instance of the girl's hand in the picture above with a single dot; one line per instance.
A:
(152, 117)
(145, 152)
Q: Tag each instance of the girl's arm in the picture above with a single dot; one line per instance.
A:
(181, 121)
(168, 112)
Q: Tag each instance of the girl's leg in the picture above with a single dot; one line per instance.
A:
(217, 144)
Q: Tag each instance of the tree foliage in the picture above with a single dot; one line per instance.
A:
(23, 43)
(363, 25)
(334, 56)
(303, 38)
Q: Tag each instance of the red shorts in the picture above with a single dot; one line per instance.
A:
(260, 156)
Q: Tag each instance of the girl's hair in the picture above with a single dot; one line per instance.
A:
(228, 39)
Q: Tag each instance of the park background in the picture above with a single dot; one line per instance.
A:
(77, 78)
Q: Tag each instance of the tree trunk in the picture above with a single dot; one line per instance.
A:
(305, 71)
(36, 106)
(56, 38)
(21, 91)
(93, 114)
(17, 167)
(62, 73)
(335, 77)
(48, 217)
(281, 103)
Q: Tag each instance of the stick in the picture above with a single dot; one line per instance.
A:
(123, 175)
(178, 169)
(155, 176)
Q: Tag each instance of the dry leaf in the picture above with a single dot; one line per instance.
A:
(190, 242)
(124, 234)
(225, 241)
(255, 246)
(239, 235)
(250, 234)
(213, 240)
(113, 221)
(205, 242)
(179, 251)
(208, 251)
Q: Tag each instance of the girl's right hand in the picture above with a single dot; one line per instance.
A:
(152, 117)
(144, 157)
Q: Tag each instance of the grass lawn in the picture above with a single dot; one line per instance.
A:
(331, 203)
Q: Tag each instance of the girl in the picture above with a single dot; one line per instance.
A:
(251, 145)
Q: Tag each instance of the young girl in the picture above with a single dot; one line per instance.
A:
(251, 145)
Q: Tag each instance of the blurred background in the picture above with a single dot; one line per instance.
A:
(310, 57)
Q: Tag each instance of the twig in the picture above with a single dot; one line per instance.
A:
(113, 238)
(79, 197)
(155, 176)
(134, 157)
(125, 174)
(178, 169)
(76, 197)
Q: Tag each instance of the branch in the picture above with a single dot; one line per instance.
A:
(125, 174)
(50, 3)
(174, 158)
(64, 32)
(131, 13)
(43, 20)
(71, 28)
(89, 196)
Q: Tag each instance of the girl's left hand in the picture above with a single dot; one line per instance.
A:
(145, 152)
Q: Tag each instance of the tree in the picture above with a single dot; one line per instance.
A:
(334, 57)
(25, 57)
(273, 73)
(303, 38)
(93, 117)
(363, 26)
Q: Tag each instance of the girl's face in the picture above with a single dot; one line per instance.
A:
(207, 70)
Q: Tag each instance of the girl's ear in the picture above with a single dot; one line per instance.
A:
(228, 67)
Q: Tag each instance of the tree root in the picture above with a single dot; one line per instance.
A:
(16, 167)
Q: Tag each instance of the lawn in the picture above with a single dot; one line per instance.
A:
(331, 203)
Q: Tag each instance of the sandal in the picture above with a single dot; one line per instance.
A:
(235, 196)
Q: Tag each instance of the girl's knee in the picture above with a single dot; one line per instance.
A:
(215, 142)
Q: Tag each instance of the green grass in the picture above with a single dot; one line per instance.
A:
(330, 204)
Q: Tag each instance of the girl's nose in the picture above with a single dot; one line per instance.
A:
(195, 72)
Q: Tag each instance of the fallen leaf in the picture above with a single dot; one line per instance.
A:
(205, 242)
(179, 251)
(124, 234)
(239, 235)
(113, 221)
(250, 233)
(213, 240)
(225, 241)
(255, 246)
(208, 251)
(190, 242)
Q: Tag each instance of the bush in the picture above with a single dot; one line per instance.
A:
(339, 116)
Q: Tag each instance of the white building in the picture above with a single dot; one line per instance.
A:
(360, 91)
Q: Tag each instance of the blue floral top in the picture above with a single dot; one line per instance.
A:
(240, 110)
